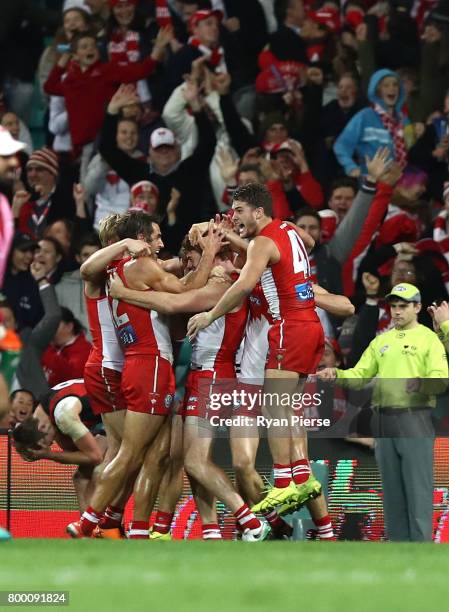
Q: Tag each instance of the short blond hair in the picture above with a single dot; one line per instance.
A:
(107, 231)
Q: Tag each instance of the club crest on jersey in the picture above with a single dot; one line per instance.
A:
(304, 291)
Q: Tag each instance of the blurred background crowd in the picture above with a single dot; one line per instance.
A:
(340, 107)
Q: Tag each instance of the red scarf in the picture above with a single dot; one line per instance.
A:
(124, 49)
(163, 16)
(394, 125)
(215, 56)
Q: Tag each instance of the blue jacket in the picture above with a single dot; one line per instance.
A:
(365, 132)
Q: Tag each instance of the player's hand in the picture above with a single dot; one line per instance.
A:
(439, 314)
(115, 286)
(137, 248)
(412, 385)
(327, 374)
(214, 240)
(197, 323)
(126, 95)
(196, 232)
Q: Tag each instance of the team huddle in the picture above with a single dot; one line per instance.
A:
(241, 291)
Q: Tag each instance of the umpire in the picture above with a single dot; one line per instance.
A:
(410, 366)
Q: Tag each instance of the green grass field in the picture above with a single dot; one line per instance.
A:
(218, 576)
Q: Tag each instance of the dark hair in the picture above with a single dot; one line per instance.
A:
(344, 181)
(89, 239)
(67, 316)
(14, 393)
(128, 120)
(138, 23)
(309, 212)
(280, 10)
(256, 196)
(251, 168)
(58, 248)
(79, 36)
(135, 222)
(27, 434)
(60, 36)
(187, 246)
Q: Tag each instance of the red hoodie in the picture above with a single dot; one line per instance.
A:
(67, 362)
(87, 93)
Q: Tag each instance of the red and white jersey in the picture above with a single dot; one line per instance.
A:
(286, 284)
(218, 344)
(255, 345)
(106, 350)
(140, 331)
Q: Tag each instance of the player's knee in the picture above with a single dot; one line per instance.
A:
(243, 464)
(193, 464)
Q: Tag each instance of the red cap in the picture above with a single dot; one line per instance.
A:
(199, 16)
(354, 18)
(138, 188)
(334, 346)
(116, 2)
(326, 16)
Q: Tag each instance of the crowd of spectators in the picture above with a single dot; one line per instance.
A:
(341, 107)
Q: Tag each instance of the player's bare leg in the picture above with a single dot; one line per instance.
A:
(198, 439)
(244, 443)
(148, 482)
(294, 483)
(170, 490)
(139, 432)
(81, 480)
(206, 504)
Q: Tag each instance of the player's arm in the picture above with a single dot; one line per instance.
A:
(196, 300)
(164, 281)
(89, 453)
(68, 422)
(338, 305)
(309, 242)
(174, 265)
(259, 254)
(93, 269)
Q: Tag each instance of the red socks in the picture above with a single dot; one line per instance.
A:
(246, 518)
(89, 520)
(282, 475)
(301, 471)
(162, 522)
(324, 527)
(274, 519)
(112, 518)
(211, 531)
(138, 530)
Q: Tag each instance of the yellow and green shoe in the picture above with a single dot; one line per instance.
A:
(162, 537)
(277, 497)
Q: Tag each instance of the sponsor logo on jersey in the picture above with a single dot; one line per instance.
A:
(127, 335)
(304, 291)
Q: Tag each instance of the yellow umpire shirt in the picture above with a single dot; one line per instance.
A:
(395, 357)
